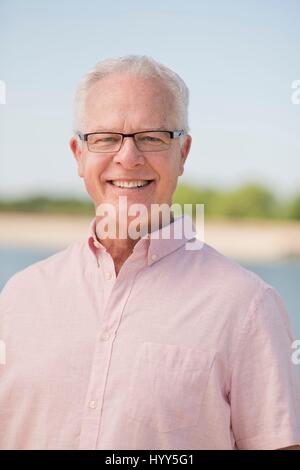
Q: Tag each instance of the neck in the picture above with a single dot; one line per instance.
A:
(121, 248)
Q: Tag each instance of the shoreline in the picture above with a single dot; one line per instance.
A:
(243, 240)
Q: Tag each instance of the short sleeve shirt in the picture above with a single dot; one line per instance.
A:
(184, 349)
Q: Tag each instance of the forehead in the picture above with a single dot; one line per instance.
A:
(127, 102)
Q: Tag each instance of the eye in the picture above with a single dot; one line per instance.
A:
(107, 139)
(104, 139)
(152, 139)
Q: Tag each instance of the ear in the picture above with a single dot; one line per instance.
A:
(185, 149)
(76, 149)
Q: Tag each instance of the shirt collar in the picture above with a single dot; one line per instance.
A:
(158, 243)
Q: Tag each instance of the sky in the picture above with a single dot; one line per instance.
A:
(239, 59)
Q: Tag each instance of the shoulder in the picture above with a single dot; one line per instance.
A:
(224, 273)
(242, 298)
(50, 268)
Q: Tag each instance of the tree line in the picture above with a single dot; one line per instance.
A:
(250, 200)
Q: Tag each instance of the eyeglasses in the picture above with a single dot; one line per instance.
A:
(147, 141)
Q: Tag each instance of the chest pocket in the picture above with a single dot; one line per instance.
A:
(167, 385)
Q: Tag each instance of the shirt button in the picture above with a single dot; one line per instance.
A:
(93, 404)
(108, 276)
(153, 257)
(105, 336)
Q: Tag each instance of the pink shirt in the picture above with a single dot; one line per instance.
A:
(185, 349)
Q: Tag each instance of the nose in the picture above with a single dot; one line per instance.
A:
(129, 155)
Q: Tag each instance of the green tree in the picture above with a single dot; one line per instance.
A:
(294, 208)
(249, 200)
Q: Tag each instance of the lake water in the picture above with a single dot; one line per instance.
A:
(284, 276)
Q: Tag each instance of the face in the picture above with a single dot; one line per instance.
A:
(127, 104)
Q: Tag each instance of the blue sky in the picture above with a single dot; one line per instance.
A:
(238, 58)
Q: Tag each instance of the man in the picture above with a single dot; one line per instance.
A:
(141, 343)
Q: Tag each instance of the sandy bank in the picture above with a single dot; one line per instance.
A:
(243, 240)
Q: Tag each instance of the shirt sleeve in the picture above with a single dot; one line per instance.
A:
(3, 310)
(265, 387)
(5, 293)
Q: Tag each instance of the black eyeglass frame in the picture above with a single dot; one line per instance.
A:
(173, 135)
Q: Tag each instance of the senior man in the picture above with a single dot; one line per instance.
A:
(140, 343)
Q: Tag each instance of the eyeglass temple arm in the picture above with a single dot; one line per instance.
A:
(175, 134)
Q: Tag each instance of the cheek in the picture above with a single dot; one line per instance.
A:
(168, 170)
(93, 168)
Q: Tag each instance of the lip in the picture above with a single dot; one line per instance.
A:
(129, 191)
(138, 178)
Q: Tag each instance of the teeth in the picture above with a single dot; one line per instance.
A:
(130, 184)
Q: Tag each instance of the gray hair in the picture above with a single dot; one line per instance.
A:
(139, 66)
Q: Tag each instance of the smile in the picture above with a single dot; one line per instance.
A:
(133, 184)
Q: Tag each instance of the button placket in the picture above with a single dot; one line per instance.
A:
(107, 272)
(95, 396)
(93, 404)
(116, 295)
(105, 336)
